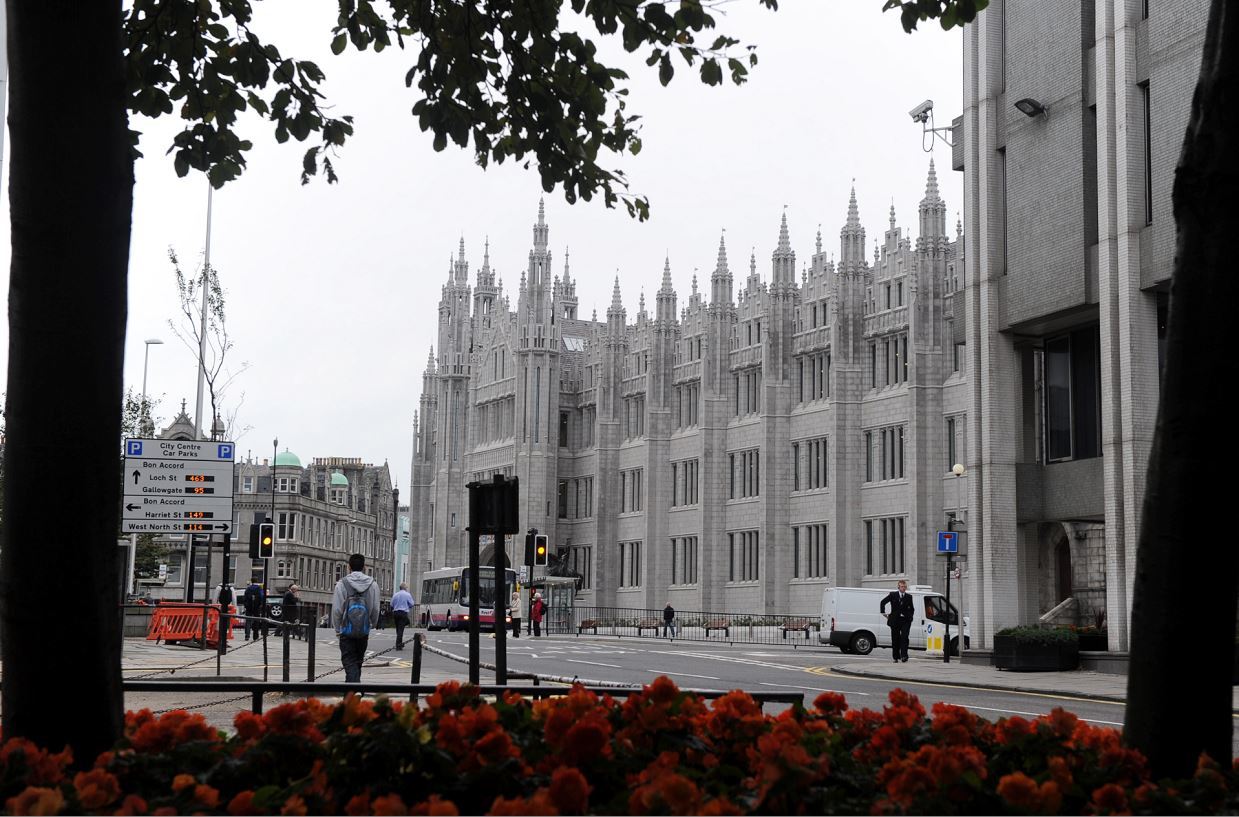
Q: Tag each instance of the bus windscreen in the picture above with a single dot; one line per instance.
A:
(486, 586)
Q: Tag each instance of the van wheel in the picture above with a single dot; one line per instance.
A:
(862, 643)
(955, 646)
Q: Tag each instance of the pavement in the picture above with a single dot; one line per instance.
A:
(1082, 684)
(145, 659)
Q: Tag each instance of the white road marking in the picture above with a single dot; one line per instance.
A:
(815, 689)
(684, 674)
(593, 663)
(1029, 714)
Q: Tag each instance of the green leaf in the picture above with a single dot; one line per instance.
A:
(339, 43)
(665, 70)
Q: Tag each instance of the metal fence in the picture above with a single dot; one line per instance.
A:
(688, 625)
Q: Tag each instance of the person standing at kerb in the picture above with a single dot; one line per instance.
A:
(899, 619)
(401, 607)
(536, 611)
(514, 604)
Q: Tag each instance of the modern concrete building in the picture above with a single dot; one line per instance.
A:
(735, 454)
(1074, 117)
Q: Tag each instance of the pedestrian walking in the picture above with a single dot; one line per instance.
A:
(354, 611)
(401, 608)
(225, 601)
(515, 605)
(253, 602)
(668, 621)
(899, 619)
(536, 611)
(289, 607)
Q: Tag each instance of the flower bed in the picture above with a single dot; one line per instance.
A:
(1036, 649)
(659, 752)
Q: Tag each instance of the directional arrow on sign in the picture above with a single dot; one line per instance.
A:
(132, 507)
(136, 474)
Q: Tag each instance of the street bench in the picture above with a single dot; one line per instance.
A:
(649, 624)
(798, 625)
(587, 624)
(719, 624)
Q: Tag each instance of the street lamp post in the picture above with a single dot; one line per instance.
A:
(144, 431)
(958, 470)
(266, 565)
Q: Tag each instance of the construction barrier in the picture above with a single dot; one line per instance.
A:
(178, 621)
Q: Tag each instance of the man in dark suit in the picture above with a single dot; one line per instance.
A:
(899, 619)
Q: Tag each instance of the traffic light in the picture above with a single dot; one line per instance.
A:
(540, 550)
(266, 540)
(254, 541)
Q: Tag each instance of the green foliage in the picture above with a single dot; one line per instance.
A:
(136, 416)
(949, 13)
(501, 75)
(1041, 635)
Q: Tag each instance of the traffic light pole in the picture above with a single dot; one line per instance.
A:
(501, 605)
(475, 646)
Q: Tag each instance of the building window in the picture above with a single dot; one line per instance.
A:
(1148, 151)
(743, 556)
(631, 490)
(745, 474)
(795, 466)
(809, 473)
(630, 564)
(811, 542)
(884, 539)
(563, 499)
(247, 485)
(884, 453)
(684, 483)
(286, 526)
(582, 563)
(563, 429)
(1072, 377)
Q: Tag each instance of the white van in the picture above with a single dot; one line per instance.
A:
(852, 621)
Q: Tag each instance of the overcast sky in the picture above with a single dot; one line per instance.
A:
(332, 289)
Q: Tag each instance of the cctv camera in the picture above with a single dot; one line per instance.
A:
(921, 112)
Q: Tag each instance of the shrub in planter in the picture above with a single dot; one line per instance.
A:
(1036, 649)
(662, 751)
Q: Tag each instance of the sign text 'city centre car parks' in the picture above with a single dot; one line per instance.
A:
(177, 486)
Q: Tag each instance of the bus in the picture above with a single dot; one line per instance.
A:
(444, 603)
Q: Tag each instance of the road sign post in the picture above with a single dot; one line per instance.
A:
(948, 543)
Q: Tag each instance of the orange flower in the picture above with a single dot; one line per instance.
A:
(1062, 722)
(96, 788)
(831, 703)
(171, 729)
(389, 805)
(539, 803)
(182, 782)
(242, 805)
(132, 804)
(720, 805)
(36, 800)
(298, 719)
(294, 805)
(1110, 799)
(1010, 730)
(42, 767)
(206, 795)
(954, 725)
(1020, 791)
(494, 747)
(358, 805)
(1050, 796)
(569, 790)
(435, 807)
(357, 710)
(248, 725)
(164, 811)
(587, 739)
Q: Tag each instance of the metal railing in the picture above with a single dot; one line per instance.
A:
(688, 625)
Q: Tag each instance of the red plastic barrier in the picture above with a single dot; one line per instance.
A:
(178, 621)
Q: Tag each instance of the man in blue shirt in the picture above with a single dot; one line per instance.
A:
(401, 607)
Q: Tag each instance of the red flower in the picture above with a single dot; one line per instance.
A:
(294, 805)
(954, 725)
(435, 806)
(298, 719)
(569, 790)
(36, 800)
(358, 805)
(389, 805)
(1110, 799)
(169, 730)
(248, 725)
(131, 805)
(242, 805)
(1020, 791)
(96, 788)
(1010, 730)
(831, 703)
(206, 795)
(1061, 721)
(182, 782)
(41, 766)
(539, 803)
(587, 739)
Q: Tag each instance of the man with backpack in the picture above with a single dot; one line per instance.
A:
(354, 610)
(253, 601)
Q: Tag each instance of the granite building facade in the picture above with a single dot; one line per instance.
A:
(736, 453)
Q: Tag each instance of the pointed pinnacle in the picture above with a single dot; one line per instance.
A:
(462, 248)
(667, 274)
(931, 183)
(541, 211)
(616, 301)
(784, 241)
(720, 266)
(853, 210)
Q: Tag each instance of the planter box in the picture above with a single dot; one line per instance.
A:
(1094, 642)
(1025, 656)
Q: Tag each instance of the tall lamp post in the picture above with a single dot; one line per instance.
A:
(144, 431)
(266, 567)
(958, 470)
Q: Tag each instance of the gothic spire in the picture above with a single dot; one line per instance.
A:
(616, 301)
(567, 277)
(819, 239)
(892, 214)
(720, 266)
(785, 245)
(853, 210)
(931, 184)
(666, 287)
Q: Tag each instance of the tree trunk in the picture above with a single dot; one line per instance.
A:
(70, 197)
(1179, 689)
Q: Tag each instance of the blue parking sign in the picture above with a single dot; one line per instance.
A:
(225, 451)
(133, 448)
(948, 541)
